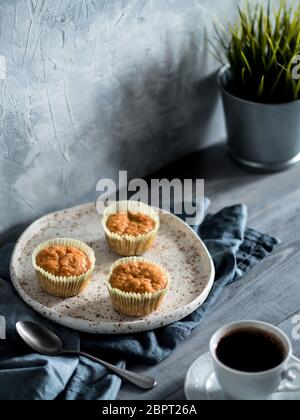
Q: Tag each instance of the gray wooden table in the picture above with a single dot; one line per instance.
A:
(271, 292)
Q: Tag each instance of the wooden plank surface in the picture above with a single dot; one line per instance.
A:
(271, 292)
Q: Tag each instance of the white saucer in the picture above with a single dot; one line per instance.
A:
(201, 383)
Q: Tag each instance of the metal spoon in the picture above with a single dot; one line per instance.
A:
(46, 342)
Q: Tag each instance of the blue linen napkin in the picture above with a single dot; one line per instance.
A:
(235, 249)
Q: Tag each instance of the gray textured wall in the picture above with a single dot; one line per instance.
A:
(95, 86)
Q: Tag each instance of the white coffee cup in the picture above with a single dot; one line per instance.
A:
(239, 385)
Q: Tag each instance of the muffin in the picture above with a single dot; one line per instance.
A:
(64, 267)
(137, 286)
(130, 227)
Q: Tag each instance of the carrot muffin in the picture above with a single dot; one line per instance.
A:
(63, 261)
(64, 267)
(137, 286)
(130, 227)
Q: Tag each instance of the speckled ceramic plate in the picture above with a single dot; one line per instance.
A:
(178, 249)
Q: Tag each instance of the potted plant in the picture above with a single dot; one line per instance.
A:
(260, 92)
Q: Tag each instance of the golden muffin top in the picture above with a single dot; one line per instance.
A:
(138, 277)
(130, 223)
(63, 261)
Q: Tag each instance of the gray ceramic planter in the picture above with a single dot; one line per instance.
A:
(264, 137)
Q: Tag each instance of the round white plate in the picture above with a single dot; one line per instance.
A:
(201, 383)
(178, 249)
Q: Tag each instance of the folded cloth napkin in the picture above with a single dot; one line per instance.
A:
(235, 249)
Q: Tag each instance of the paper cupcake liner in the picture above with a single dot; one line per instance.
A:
(63, 286)
(136, 304)
(128, 245)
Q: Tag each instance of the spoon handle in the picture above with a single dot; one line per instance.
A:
(141, 381)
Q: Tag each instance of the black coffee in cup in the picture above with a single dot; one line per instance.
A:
(251, 350)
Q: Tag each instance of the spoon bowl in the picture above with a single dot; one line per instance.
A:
(40, 339)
